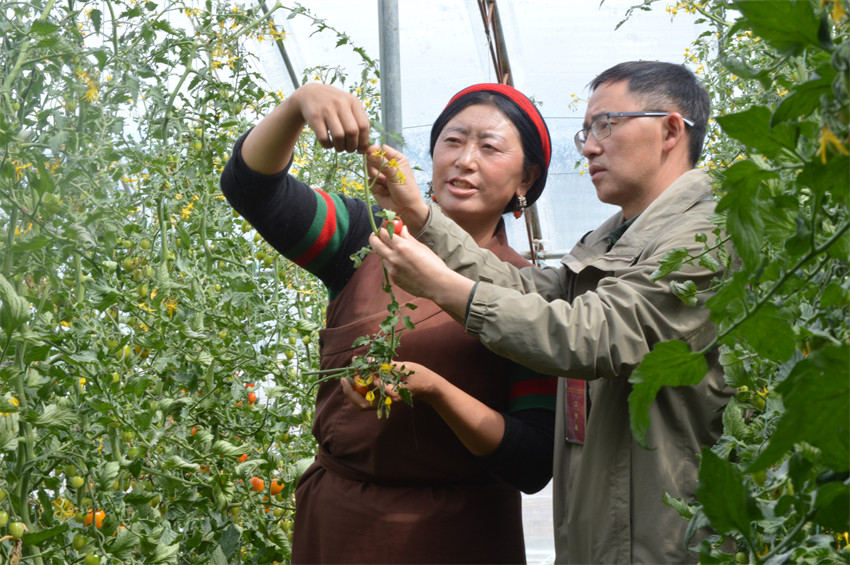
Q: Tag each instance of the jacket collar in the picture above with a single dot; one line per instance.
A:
(689, 189)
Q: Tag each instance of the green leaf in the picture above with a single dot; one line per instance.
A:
(123, 544)
(733, 421)
(41, 27)
(680, 506)
(106, 474)
(752, 128)
(745, 209)
(225, 448)
(832, 506)
(770, 20)
(816, 395)
(725, 498)
(670, 363)
(40, 536)
(802, 101)
(165, 553)
(670, 262)
(685, 291)
(831, 178)
(55, 416)
(729, 301)
(768, 332)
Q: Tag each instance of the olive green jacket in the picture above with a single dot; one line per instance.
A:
(594, 318)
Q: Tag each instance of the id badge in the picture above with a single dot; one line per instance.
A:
(575, 410)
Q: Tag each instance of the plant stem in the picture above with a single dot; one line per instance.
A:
(22, 55)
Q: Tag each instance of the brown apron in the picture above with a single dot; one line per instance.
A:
(404, 489)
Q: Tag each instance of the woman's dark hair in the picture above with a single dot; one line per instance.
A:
(529, 134)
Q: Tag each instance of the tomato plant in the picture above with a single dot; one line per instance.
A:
(133, 304)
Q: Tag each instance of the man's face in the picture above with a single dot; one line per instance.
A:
(626, 165)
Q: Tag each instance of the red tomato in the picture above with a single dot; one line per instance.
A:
(252, 397)
(257, 484)
(397, 225)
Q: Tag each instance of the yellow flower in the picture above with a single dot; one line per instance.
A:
(838, 12)
(91, 94)
(186, 212)
(386, 368)
(828, 138)
(82, 381)
(360, 381)
(14, 401)
(19, 169)
(170, 305)
(388, 401)
(370, 396)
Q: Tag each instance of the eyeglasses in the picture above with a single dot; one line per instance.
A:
(601, 125)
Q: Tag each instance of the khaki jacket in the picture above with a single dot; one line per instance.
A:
(594, 318)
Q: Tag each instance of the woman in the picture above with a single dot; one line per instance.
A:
(436, 482)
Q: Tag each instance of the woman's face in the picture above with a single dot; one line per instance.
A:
(478, 166)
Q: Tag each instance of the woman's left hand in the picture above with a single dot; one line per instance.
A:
(422, 382)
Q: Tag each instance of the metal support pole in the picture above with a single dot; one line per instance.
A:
(390, 72)
(281, 49)
(502, 66)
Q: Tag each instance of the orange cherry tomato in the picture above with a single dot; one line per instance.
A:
(257, 484)
(276, 487)
(96, 517)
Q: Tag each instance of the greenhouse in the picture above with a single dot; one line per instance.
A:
(165, 367)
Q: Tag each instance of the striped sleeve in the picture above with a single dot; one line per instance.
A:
(531, 390)
(315, 229)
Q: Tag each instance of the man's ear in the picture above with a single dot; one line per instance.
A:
(675, 132)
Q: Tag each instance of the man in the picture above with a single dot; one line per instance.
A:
(596, 317)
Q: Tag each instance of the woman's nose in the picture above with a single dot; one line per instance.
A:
(467, 155)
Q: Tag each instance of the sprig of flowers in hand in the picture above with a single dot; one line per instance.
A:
(374, 370)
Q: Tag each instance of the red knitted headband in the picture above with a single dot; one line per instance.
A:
(520, 100)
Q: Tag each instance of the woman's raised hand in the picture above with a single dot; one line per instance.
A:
(337, 117)
(395, 187)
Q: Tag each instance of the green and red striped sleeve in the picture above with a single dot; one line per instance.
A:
(530, 390)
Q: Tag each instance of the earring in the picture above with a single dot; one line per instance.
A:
(521, 204)
(429, 192)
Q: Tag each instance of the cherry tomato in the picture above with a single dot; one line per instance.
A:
(257, 484)
(97, 517)
(276, 487)
(397, 225)
(91, 559)
(252, 397)
(77, 482)
(362, 385)
(16, 530)
(242, 458)
(79, 541)
(4, 518)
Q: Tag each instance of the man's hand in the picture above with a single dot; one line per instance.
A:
(418, 270)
